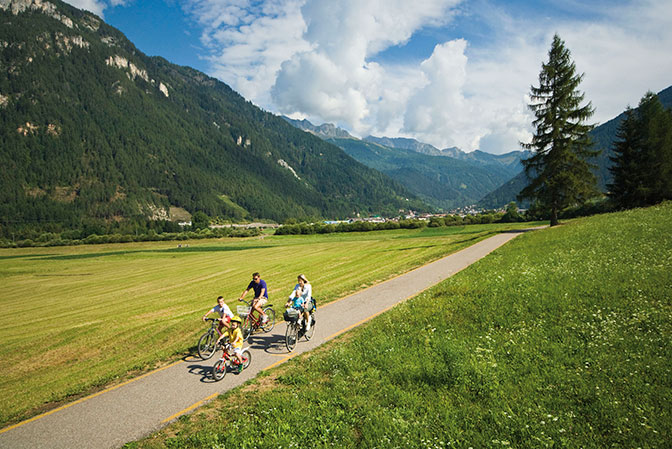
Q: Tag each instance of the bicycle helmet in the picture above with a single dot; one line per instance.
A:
(236, 319)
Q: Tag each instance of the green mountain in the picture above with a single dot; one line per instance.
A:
(92, 127)
(603, 137)
(443, 178)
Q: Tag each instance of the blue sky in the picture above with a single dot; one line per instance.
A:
(446, 72)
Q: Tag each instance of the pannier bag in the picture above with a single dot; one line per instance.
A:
(291, 314)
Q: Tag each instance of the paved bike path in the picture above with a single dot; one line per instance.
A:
(134, 409)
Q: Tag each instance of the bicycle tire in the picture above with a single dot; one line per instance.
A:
(247, 358)
(246, 328)
(270, 313)
(206, 344)
(309, 334)
(291, 336)
(219, 370)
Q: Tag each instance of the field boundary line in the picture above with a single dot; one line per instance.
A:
(86, 398)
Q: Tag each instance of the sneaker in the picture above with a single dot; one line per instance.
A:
(240, 367)
(264, 319)
(308, 325)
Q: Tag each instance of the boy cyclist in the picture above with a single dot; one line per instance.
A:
(235, 337)
(225, 314)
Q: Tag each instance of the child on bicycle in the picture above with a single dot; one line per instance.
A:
(225, 314)
(235, 336)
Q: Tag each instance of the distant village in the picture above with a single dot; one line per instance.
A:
(403, 215)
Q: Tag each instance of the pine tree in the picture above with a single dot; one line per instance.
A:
(626, 168)
(642, 167)
(558, 171)
(656, 161)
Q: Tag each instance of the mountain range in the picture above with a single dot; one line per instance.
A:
(446, 179)
(93, 128)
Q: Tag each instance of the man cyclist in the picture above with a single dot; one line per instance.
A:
(260, 295)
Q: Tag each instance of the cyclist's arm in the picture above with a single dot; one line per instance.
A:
(207, 313)
(261, 293)
(242, 295)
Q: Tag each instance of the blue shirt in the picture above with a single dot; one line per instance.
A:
(257, 288)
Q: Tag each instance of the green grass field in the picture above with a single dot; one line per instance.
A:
(78, 318)
(561, 338)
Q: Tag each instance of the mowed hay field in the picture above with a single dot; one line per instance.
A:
(560, 338)
(77, 318)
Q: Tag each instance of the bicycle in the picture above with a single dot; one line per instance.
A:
(252, 322)
(296, 328)
(227, 361)
(207, 342)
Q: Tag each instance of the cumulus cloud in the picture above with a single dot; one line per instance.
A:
(96, 6)
(325, 60)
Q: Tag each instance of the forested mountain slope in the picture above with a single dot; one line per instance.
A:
(92, 127)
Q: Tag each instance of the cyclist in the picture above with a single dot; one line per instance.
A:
(260, 295)
(235, 337)
(301, 298)
(224, 311)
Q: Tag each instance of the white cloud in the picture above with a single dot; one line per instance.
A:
(323, 60)
(95, 6)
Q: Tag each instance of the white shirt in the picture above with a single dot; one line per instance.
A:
(305, 295)
(224, 310)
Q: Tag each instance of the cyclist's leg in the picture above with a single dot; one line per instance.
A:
(258, 304)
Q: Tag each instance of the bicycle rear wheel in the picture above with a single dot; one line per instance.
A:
(268, 325)
(219, 370)
(291, 336)
(309, 334)
(247, 358)
(206, 344)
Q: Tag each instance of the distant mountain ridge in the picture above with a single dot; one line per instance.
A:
(93, 128)
(446, 179)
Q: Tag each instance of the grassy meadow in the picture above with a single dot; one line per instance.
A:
(78, 318)
(561, 338)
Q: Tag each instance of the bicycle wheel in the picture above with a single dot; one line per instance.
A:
(270, 313)
(206, 344)
(246, 328)
(309, 334)
(291, 336)
(247, 358)
(219, 370)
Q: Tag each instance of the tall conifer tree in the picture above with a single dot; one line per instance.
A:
(626, 169)
(642, 167)
(559, 173)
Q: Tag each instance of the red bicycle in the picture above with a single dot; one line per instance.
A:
(230, 361)
(252, 321)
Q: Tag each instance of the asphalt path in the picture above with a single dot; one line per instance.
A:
(136, 408)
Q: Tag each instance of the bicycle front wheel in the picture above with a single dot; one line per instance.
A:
(219, 370)
(206, 344)
(268, 325)
(247, 327)
(291, 336)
